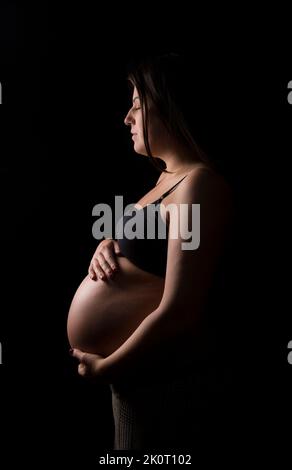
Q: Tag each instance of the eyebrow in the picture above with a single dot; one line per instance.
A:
(136, 98)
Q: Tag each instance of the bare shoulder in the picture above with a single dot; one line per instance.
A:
(204, 184)
(208, 175)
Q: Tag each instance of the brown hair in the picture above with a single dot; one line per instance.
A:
(165, 80)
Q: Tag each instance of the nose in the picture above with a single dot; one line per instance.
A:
(129, 118)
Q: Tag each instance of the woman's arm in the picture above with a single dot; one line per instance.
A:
(155, 329)
(188, 276)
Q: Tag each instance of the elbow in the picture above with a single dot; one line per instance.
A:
(181, 317)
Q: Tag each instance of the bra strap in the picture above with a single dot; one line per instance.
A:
(171, 189)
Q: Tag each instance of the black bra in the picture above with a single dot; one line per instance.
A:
(149, 254)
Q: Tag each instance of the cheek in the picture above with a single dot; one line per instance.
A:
(156, 134)
(139, 138)
(139, 123)
(156, 129)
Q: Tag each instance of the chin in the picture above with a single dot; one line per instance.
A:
(141, 151)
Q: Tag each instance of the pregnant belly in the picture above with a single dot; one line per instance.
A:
(103, 314)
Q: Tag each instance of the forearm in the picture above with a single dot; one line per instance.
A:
(154, 330)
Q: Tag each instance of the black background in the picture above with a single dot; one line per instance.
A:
(64, 148)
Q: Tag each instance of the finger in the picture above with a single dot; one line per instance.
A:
(80, 355)
(97, 269)
(105, 265)
(111, 260)
(117, 248)
(91, 272)
(82, 369)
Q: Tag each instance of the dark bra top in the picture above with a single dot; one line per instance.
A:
(149, 254)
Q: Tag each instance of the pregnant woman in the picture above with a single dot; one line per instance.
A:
(139, 320)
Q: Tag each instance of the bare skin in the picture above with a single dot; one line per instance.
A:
(104, 313)
(128, 315)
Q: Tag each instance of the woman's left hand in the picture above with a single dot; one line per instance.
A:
(90, 365)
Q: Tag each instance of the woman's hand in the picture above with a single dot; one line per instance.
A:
(90, 365)
(104, 263)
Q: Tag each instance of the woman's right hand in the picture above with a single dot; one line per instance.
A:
(104, 263)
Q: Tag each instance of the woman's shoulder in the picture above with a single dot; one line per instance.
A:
(209, 189)
(202, 180)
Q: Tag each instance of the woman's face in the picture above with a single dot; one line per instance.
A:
(157, 134)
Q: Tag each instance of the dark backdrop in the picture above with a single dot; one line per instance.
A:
(64, 148)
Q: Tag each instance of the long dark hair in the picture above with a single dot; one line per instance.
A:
(166, 81)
